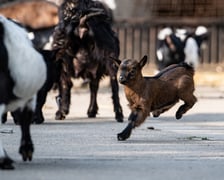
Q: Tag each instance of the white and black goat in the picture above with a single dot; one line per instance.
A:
(22, 74)
(39, 38)
(85, 42)
(179, 46)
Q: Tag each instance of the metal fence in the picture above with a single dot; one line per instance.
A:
(139, 38)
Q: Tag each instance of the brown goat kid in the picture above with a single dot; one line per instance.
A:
(155, 94)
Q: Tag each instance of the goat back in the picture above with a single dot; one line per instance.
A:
(175, 71)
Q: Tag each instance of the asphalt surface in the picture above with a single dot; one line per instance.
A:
(82, 148)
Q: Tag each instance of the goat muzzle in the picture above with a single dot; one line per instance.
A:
(122, 80)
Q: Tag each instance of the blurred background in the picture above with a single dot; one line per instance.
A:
(138, 22)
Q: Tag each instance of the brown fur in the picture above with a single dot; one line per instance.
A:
(155, 94)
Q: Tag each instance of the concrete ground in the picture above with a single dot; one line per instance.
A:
(82, 148)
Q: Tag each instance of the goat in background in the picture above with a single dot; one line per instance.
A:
(85, 42)
(178, 46)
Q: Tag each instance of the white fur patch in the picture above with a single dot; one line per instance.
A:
(181, 33)
(21, 103)
(164, 32)
(31, 35)
(26, 65)
(191, 52)
(159, 54)
(201, 30)
(49, 44)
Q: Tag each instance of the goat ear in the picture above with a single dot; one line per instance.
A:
(143, 61)
(116, 61)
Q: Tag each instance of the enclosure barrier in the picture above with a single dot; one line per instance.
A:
(138, 38)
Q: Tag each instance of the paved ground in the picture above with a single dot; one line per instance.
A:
(82, 148)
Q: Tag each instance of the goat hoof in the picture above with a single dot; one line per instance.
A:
(38, 119)
(123, 136)
(27, 155)
(120, 137)
(4, 118)
(120, 120)
(59, 116)
(155, 115)
(16, 122)
(126, 133)
(119, 117)
(91, 115)
(37, 122)
(178, 116)
(26, 151)
(6, 163)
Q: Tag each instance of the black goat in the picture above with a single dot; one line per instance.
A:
(22, 74)
(85, 42)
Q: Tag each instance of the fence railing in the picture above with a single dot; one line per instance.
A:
(138, 38)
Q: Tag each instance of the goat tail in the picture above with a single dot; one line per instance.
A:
(187, 65)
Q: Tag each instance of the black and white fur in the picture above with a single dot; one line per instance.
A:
(22, 74)
(178, 46)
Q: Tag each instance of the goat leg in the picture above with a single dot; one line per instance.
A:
(116, 102)
(41, 99)
(189, 103)
(126, 133)
(93, 107)
(182, 109)
(64, 104)
(65, 85)
(26, 147)
(6, 162)
(16, 116)
(4, 118)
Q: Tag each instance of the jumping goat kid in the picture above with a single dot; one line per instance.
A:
(155, 94)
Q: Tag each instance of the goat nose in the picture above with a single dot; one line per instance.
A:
(121, 79)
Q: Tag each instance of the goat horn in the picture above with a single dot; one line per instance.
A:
(116, 60)
(93, 12)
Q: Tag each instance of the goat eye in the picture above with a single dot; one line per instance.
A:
(132, 72)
